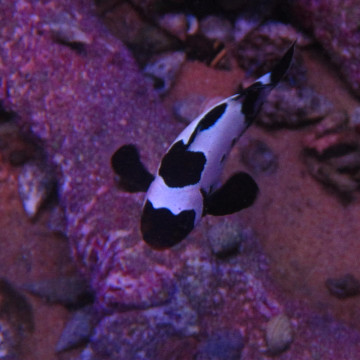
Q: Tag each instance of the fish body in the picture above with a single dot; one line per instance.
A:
(187, 186)
(192, 166)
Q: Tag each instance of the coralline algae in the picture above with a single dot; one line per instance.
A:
(82, 99)
(78, 91)
(335, 24)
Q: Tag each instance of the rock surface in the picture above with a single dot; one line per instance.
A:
(335, 24)
(81, 103)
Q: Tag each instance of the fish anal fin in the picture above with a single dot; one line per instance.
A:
(133, 175)
(238, 192)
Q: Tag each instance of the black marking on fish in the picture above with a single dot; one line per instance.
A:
(126, 163)
(162, 229)
(253, 101)
(282, 66)
(209, 119)
(181, 167)
(256, 94)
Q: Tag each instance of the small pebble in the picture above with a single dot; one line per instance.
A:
(77, 330)
(332, 156)
(279, 334)
(260, 45)
(292, 107)
(9, 342)
(334, 143)
(258, 157)
(243, 26)
(175, 23)
(16, 321)
(192, 24)
(36, 183)
(71, 291)
(57, 221)
(346, 163)
(187, 109)
(332, 122)
(178, 315)
(15, 308)
(163, 69)
(343, 287)
(216, 28)
(329, 175)
(225, 238)
(130, 24)
(67, 30)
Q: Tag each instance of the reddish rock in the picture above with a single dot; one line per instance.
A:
(333, 154)
(335, 24)
(294, 107)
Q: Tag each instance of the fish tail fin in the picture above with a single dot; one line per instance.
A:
(255, 95)
(273, 77)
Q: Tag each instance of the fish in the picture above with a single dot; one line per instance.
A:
(186, 186)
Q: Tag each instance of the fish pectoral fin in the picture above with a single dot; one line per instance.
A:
(133, 175)
(239, 192)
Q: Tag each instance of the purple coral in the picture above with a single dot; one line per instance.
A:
(83, 99)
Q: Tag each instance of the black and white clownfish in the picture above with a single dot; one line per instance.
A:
(186, 185)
